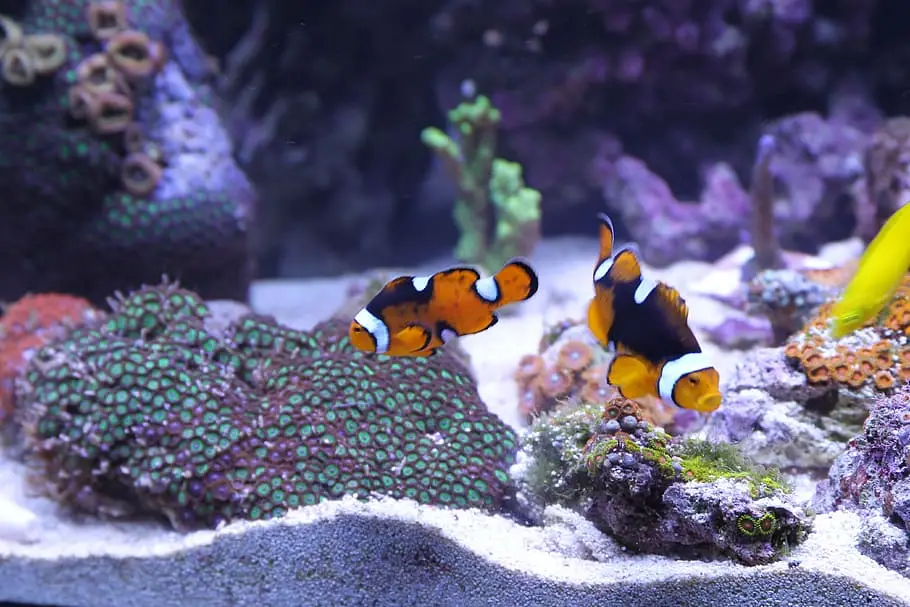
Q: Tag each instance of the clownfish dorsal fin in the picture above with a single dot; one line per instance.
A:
(672, 301)
(607, 237)
(626, 267)
(676, 310)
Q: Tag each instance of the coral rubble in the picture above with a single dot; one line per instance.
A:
(148, 410)
(654, 493)
(112, 151)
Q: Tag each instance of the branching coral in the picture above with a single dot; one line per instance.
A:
(875, 358)
(655, 493)
(469, 158)
(151, 410)
(761, 195)
(29, 324)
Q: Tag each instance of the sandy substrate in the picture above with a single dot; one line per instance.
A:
(399, 553)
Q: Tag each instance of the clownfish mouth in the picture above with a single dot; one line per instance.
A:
(708, 402)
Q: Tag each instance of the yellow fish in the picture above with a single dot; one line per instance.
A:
(881, 270)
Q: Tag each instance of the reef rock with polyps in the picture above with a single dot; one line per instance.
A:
(654, 493)
(777, 418)
(872, 477)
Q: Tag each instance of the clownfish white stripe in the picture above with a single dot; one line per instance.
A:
(420, 282)
(375, 327)
(645, 287)
(673, 370)
(487, 288)
(448, 335)
(601, 270)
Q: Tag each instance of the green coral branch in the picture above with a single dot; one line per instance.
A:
(469, 157)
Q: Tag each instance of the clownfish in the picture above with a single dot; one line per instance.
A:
(882, 268)
(417, 315)
(647, 322)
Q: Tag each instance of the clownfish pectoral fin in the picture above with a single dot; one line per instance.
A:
(625, 267)
(631, 376)
(410, 340)
(515, 282)
(600, 315)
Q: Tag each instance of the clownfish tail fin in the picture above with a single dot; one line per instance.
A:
(515, 282)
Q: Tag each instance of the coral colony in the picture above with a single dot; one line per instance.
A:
(87, 88)
(148, 403)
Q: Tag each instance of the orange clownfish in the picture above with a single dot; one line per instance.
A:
(417, 315)
(647, 322)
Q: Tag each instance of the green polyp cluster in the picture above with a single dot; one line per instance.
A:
(750, 526)
(150, 412)
(469, 156)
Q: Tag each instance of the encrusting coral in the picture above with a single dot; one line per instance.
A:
(874, 359)
(101, 157)
(654, 493)
(26, 326)
(153, 410)
(481, 178)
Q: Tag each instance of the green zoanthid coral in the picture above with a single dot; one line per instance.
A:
(656, 493)
(154, 410)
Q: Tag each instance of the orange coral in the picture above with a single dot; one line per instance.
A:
(873, 357)
(529, 367)
(555, 382)
(29, 324)
(575, 355)
(884, 380)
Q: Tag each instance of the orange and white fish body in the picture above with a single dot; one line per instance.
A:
(417, 315)
(647, 322)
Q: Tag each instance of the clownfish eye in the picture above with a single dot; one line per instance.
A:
(693, 381)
